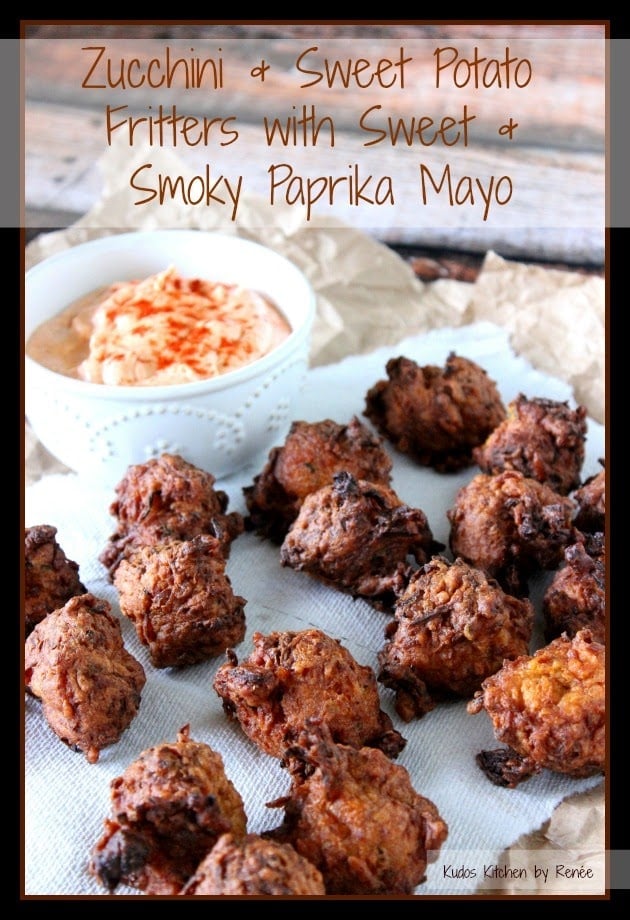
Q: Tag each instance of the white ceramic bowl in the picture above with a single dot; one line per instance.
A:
(220, 424)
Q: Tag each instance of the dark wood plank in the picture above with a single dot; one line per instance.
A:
(432, 264)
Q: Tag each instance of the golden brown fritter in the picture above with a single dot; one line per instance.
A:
(590, 499)
(89, 684)
(541, 438)
(549, 708)
(454, 627)
(290, 677)
(181, 601)
(356, 816)
(311, 454)
(169, 808)
(358, 537)
(510, 526)
(50, 578)
(436, 415)
(576, 597)
(252, 865)
(167, 498)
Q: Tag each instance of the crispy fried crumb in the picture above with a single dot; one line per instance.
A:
(167, 498)
(169, 808)
(549, 709)
(310, 456)
(356, 816)
(290, 677)
(437, 416)
(590, 499)
(180, 600)
(252, 865)
(576, 597)
(360, 538)
(453, 627)
(542, 438)
(50, 578)
(510, 526)
(89, 684)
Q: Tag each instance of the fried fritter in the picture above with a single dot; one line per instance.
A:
(89, 684)
(169, 808)
(356, 816)
(549, 708)
(541, 438)
(510, 526)
(311, 454)
(358, 537)
(50, 578)
(576, 597)
(453, 627)
(591, 502)
(167, 498)
(292, 676)
(181, 601)
(435, 415)
(254, 866)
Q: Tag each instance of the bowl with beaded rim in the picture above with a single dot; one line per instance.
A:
(219, 423)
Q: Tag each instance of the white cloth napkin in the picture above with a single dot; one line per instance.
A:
(67, 799)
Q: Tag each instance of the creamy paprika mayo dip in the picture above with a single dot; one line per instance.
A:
(164, 329)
